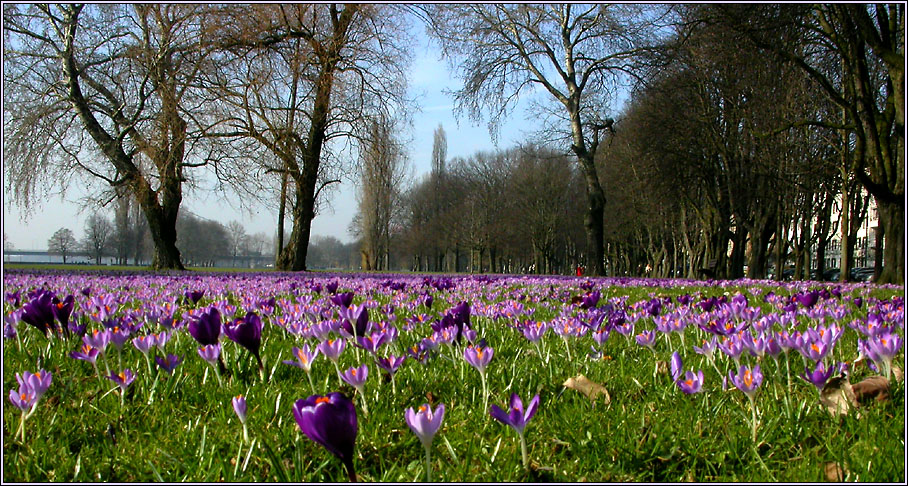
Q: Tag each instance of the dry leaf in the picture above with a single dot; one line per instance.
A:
(834, 472)
(897, 374)
(590, 388)
(838, 396)
(661, 367)
(871, 388)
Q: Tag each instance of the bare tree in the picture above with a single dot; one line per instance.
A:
(62, 242)
(99, 92)
(382, 173)
(237, 239)
(575, 53)
(7, 245)
(297, 79)
(865, 78)
(439, 150)
(97, 239)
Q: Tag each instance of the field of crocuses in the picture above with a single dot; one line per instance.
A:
(318, 377)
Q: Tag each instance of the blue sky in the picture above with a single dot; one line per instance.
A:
(429, 78)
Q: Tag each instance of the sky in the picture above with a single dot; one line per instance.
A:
(429, 78)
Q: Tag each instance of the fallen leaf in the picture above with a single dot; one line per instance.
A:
(871, 388)
(838, 396)
(590, 388)
(834, 472)
(661, 367)
(897, 374)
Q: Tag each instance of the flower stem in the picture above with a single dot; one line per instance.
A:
(245, 433)
(351, 473)
(21, 431)
(523, 452)
(337, 368)
(95, 365)
(311, 385)
(485, 394)
(362, 397)
(753, 418)
(218, 374)
(428, 464)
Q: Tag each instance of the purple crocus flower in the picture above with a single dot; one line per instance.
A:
(193, 295)
(819, 376)
(356, 377)
(206, 328)
(883, 348)
(210, 353)
(373, 342)
(144, 343)
(123, 379)
(9, 331)
(24, 398)
(732, 346)
(342, 300)
(13, 297)
(478, 357)
(38, 382)
(808, 299)
(469, 334)
(86, 353)
(708, 348)
(391, 363)
(691, 383)
(304, 357)
(247, 332)
(354, 314)
(39, 312)
(516, 416)
(119, 336)
(332, 348)
(419, 353)
(534, 330)
(815, 350)
(97, 339)
(425, 423)
(331, 422)
(647, 339)
(590, 300)
(62, 310)
(239, 406)
(161, 339)
(747, 380)
(676, 365)
(169, 363)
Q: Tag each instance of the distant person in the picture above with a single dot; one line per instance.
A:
(579, 271)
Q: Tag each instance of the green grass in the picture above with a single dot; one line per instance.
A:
(182, 428)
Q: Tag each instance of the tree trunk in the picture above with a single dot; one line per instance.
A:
(281, 212)
(892, 223)
(293, 257)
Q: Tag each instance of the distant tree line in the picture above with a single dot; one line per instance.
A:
(748, 127)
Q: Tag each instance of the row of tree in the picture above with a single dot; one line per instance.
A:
(758, 133)
(202, 242)
(744, 120)
(138, 98)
